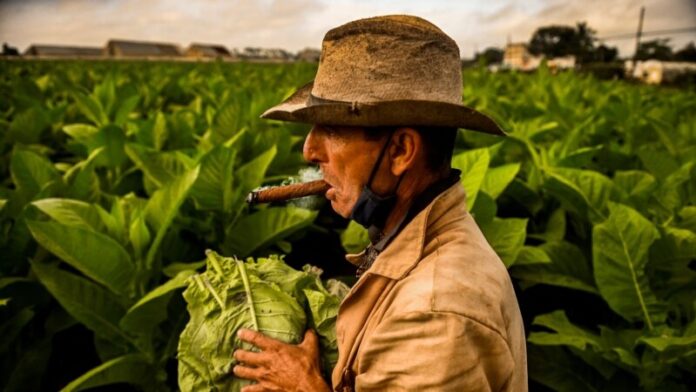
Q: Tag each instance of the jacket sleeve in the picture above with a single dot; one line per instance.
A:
(434, 351)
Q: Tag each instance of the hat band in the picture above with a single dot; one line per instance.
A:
(313, 100)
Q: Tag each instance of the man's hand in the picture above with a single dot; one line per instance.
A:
(280, 366)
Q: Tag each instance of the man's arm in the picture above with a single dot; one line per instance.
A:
(280, 366)
(434, 351)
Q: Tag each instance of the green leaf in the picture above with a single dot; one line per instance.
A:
(88, 303)
(91, 108)
(473, 165)
(659, 163)
(12, 327)
(173, 269)
(27, 126)
(92, 253)
(228, 296)
(687, 218)
(566, 333)
(506, 236)
(112, 139)
(151, 309)
(139, 235)
(31, 172)
(105, 93)
(159, 167)
(635, 184)
(620, 343)
(264, 227)
(164, 205)
(485, 209)
(159, 131)
(132, 369)
(556, 369)
(664, 343)
(526, 195)
(214, 188)
(568, 268)
(70, 212)
(81, 178)
(532, 255)
(583, 192)
(498, 178)
(125, 108)
(556, 226)
(354, 238)
(250, 175)
(619, 250)
(84, 134)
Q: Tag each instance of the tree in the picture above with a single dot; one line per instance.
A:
(657, 49)
(8, 50)
(489, 56)
(556, 41)
(605, 54)
(687, 53)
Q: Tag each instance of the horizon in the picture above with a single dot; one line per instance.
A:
(294, 25)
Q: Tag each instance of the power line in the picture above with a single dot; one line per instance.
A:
(648, 33)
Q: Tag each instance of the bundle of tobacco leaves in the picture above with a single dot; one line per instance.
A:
(265, 295)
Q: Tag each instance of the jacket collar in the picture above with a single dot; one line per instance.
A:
(406, 249)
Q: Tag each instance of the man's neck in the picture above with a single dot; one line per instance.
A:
(412, 186)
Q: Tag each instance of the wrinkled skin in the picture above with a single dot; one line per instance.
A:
(345, 157)
(280, 366)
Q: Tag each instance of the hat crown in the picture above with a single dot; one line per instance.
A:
(389, 58)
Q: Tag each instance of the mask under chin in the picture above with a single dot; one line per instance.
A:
(371, 209)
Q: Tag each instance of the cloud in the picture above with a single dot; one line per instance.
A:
(295, 24)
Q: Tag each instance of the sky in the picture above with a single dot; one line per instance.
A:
(296, 24)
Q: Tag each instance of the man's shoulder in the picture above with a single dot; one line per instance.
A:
(459, 275)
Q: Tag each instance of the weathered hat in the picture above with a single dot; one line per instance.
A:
(385, 71)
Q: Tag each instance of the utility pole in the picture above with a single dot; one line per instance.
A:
(638, 34)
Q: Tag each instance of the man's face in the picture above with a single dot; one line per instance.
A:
(346, 157)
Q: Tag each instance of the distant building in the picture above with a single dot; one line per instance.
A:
(207, 51)
(659, 72)
(63, 51)
(266, 54)
(310, 55)
(517, 57)
(122, 48)
(558, 63)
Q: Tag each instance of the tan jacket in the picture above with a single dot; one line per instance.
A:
(436, 311)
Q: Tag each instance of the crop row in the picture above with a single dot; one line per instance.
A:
(117, 176)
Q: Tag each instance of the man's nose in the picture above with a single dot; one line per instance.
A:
(312, 149)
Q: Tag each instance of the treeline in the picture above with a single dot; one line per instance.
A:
(582, 42)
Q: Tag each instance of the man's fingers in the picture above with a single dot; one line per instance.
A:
(254, 388)
(246, 372)
(257, 339)
(310, 341)
(250, 357)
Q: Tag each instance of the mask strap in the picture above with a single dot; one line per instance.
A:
(373, 173)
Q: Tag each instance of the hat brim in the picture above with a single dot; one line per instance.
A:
(300, 107)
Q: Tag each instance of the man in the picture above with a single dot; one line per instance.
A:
(434, 308)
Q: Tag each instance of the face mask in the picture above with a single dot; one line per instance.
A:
(372, 209)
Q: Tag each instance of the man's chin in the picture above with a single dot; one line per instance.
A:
(340, 209)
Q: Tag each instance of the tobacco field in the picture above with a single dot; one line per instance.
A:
(117, 176)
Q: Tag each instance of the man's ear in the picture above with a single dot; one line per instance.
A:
(405, 148)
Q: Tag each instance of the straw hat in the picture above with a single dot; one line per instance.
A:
(384, 71)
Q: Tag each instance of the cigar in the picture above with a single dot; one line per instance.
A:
(287, 192)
